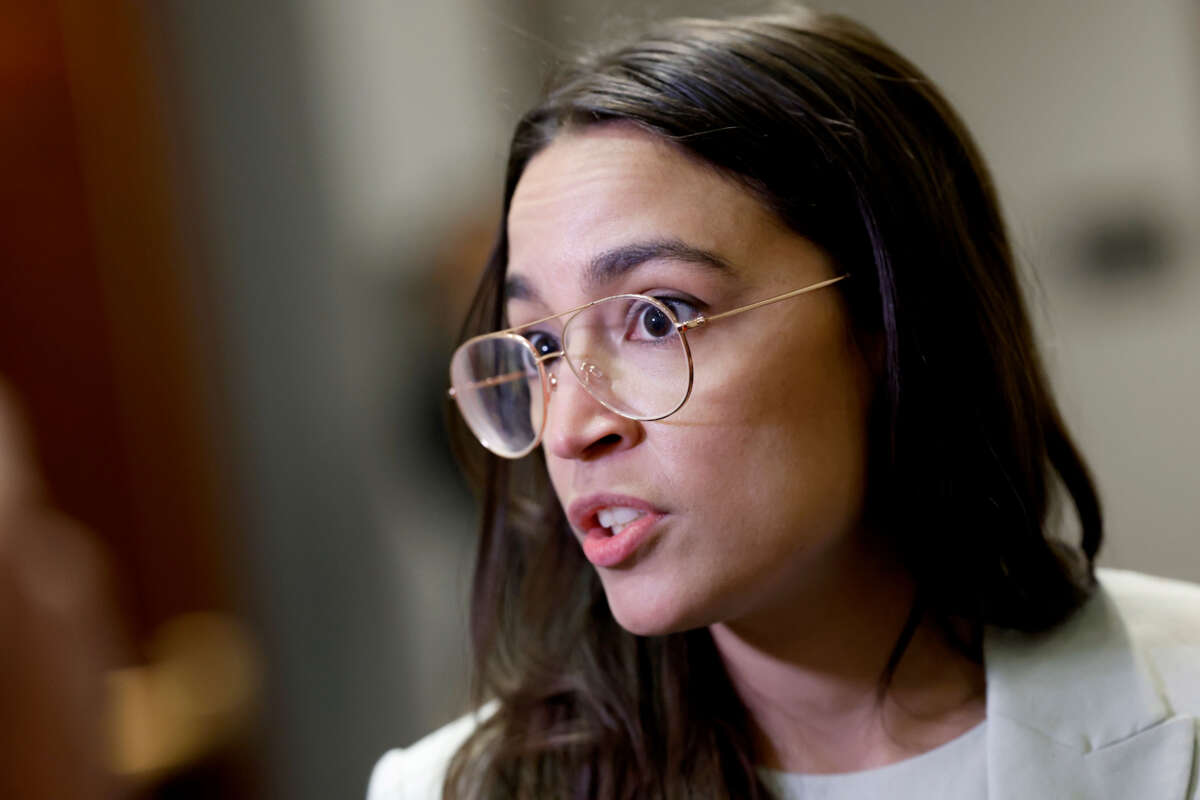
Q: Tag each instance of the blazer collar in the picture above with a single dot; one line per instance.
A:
(1074, 712)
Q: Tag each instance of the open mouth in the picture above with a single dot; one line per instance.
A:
(615, 518)
(613, 526)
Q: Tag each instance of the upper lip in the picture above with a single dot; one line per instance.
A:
(582, 512)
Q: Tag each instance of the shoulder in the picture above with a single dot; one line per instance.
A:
(1157, 611)
(417, 772)
(1163, 620)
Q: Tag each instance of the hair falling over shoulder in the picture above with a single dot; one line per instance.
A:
(855, 149)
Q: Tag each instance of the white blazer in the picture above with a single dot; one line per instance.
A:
(1103, 707)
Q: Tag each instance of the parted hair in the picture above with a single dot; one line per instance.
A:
(857, 150)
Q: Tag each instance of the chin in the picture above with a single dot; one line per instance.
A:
(653, 613)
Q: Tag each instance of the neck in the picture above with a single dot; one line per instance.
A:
(809, 666)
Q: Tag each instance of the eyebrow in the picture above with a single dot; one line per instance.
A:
(610, 265)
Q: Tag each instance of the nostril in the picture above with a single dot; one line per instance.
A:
(604, 443)
(579, 426)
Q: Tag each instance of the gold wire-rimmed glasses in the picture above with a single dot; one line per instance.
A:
(630, 352)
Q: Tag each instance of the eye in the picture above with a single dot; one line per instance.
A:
(543, 342)
(649, 323)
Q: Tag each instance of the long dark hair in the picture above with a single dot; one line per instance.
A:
(855, 149)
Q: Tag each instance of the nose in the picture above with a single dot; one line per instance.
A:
(579, 427)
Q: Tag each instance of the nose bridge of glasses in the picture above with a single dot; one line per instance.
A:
(591, 354)
(576, 409)
(588, 373)
(592, 376)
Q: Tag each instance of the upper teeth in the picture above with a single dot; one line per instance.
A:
(617, 518)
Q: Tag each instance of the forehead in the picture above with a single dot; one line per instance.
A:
(611, 186)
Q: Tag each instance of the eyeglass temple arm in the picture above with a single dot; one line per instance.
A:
(496, 380)
(701, 320)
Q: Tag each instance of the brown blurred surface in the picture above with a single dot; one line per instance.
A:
(100, 334)
(58, 630)
(55, 347)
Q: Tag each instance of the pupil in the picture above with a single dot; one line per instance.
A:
(656, 322)
(542, 344)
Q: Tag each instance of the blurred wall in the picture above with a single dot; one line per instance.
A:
(241, 89)
(330, 153)
(413, 106)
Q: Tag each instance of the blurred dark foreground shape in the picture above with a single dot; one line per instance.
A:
(58, 635)
(73, 724)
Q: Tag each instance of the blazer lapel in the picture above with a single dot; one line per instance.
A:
(1074, 713)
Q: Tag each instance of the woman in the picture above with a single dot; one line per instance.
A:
(773, 459)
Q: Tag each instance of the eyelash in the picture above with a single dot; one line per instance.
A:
(674, 301)
(671, 301)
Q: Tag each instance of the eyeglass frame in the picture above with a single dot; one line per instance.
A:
(550, 381)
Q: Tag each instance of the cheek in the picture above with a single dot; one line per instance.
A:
(805, 388)
(558, 472)
(785, 433)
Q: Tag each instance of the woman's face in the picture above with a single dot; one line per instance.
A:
(754, 489)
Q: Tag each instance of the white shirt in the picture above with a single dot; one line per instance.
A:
(956, 769)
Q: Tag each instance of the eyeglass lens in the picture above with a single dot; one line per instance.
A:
(625, 351)
(499, 392)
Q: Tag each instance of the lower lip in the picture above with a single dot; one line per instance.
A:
(608, 550)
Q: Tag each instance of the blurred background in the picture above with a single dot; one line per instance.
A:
(236, 242)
